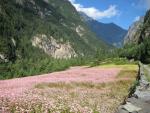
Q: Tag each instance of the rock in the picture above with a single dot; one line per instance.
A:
(121, 110)
(134, 32)
(13, 41)
(53, 47)
(135, 96)
(145, 95)
(3, 58)
(135, 112)
(131, 108)
(80, 30)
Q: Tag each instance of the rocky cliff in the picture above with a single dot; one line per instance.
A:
(52, 47)
(134, 32)
(139, 30)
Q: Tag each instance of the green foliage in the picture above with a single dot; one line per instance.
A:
(138, 52)
(109, 56)
(146, 54)
(141, 49)
(100, 56)
(29, 67)
(130, 51)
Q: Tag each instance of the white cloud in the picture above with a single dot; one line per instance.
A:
(96, 13)
(137, 18)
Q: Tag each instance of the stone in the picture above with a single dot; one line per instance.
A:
(53, 47)
(134, 32)
(80, 30)
(131, 108)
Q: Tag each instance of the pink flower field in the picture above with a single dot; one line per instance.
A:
(76, 90)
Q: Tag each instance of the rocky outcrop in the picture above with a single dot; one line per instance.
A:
(139, 100)
(139, 30)
(80, 30)
(3, 58)
(134, 32)
(52, 47)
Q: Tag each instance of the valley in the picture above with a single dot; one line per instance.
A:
(64, 56)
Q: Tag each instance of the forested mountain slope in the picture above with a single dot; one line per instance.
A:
(37, 36)
(138, 45)
(31, 28)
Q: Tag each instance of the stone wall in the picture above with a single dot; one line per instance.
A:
(139, 98)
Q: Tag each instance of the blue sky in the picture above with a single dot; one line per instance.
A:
(120, 12)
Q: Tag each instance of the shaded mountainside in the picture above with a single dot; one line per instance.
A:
(110, 33)
(137, 42)
(134, 32)
(34, 28)
(139, 31)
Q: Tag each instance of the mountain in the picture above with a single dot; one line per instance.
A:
(134, 32)
(110, 33)
(137, 41)
(37, 28)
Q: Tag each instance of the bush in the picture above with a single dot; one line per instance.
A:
(29, 67)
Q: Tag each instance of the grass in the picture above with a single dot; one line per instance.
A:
(113, 61)
(79, 97)
(73, 85)
(111, 94)
(147, 74)
(89, 85)
(123, 66)
(90, 95)
(127, 74)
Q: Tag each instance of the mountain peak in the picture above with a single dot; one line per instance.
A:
(109, 32)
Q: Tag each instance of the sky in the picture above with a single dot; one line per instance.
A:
(120, 12)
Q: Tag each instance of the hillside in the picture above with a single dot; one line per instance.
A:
(31, 28)
(138, 47)
(37, 36)
(134, 32)
(110, 33)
